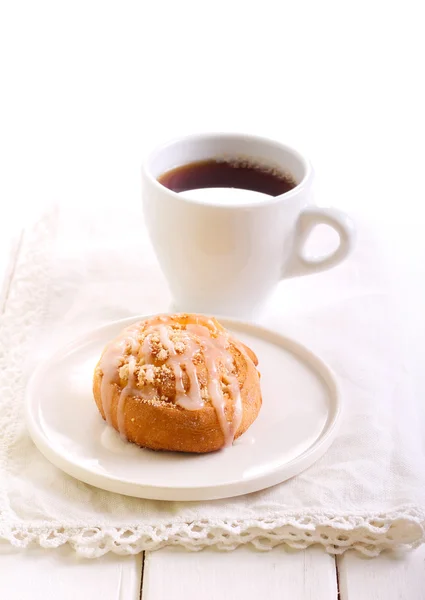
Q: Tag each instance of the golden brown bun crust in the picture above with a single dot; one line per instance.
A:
(164, 425)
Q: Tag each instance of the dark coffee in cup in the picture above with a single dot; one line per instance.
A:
(241, 174)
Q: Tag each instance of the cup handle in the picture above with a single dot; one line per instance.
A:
(311, 216)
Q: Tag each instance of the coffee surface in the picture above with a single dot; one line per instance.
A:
(222, 174)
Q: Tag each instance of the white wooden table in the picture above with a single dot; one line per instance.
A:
(89, 86)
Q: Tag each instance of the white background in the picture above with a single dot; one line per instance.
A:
(88, 87)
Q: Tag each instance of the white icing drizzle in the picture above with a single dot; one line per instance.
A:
(196, 338)
(110, 363)
(213, 349)
(192, 399)
(125, 392)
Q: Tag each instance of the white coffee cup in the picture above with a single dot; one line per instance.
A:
(226, 257)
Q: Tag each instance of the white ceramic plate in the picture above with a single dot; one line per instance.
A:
(296, 425)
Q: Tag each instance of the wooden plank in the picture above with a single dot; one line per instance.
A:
(245, 573)
(42, 574)
(386, 577)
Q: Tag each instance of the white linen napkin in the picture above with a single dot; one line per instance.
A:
(76, 272)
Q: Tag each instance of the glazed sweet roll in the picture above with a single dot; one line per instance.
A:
(178, 382)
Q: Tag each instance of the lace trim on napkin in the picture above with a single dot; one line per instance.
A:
(370, 536)
(23, 314)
